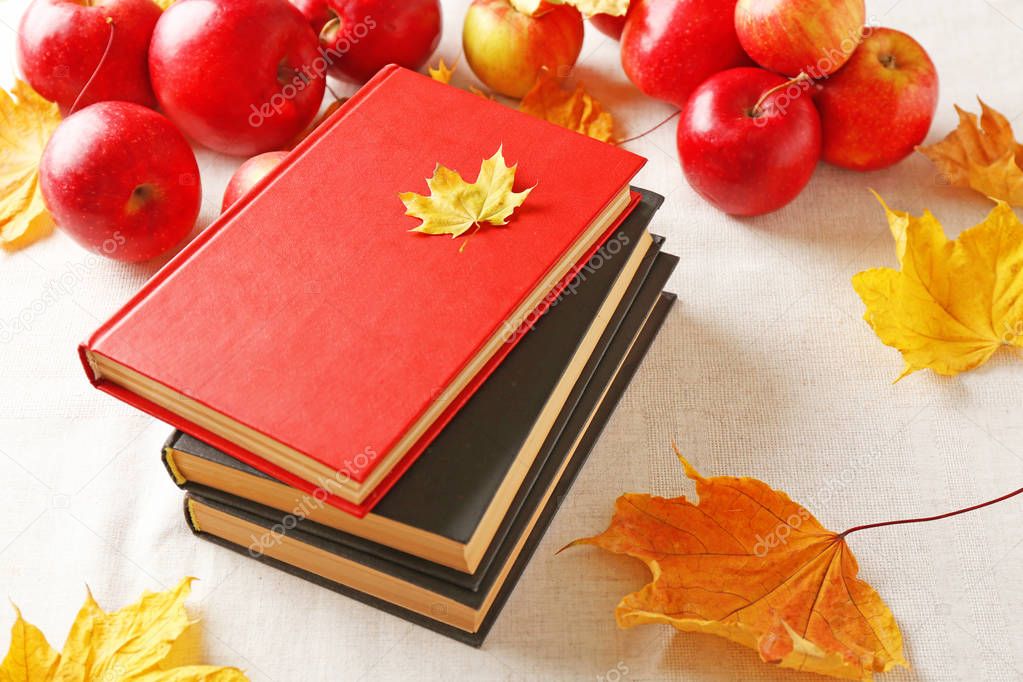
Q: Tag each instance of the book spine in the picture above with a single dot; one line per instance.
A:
(225, 220)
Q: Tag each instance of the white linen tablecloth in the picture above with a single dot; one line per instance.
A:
(764, 368)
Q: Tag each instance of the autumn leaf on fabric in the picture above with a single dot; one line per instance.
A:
(129, 644)
(748, 564)
(981, 155)
(26, 123)
(454, 205)
(954, 302)
(442, 73)
(575, 109)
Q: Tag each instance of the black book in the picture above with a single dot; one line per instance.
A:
(449, 511)
(458, 612)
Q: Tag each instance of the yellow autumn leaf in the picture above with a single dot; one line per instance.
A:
(442, 73)
(981, 155)
(454, 205)
(954, 302)
(26, 123)
(575, 109)
(129, 644)
(30, 657)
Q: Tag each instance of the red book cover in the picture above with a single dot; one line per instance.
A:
(328, 327)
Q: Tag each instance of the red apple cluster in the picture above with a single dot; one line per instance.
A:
(769, 87)
(241, 77)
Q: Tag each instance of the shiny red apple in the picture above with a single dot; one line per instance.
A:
(238, 76)
(880, 105)
(749, 140)
(507, 49)
(248, 174)
(363, 36)
(61, 43)
(121, 180)
(671, 46)
(794, 36)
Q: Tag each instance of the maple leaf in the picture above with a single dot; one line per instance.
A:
(128, 644)
(26, 123)
(575, 110)
(748, 564)
(983, 156)
(443, 72)
(954, 302)
(455, 205)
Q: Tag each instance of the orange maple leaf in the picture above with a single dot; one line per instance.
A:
(752, 566)
(572, 109)
(982, 155)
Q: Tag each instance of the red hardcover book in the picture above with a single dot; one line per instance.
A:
(334, 343)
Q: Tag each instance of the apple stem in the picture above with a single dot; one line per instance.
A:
(647, 132)
(103, 58)
(757, 108)
(933, 518)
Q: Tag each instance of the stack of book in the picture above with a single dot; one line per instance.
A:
(392, 415)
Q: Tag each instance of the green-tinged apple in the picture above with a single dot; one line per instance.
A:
(815, 37)
(880, 105)
(248, 174)
(121, 180)
(669, 47)
(507, 48)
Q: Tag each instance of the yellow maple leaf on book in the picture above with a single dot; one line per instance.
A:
(953, 303)
(454, 205)
(129, 644)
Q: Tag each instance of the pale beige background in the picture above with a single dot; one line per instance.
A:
(764, 368)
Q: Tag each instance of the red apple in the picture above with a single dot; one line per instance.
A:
(671, 46)
(507, 49)
(248, 174)
(61, 43)
(238, 76)
(366, 35)
(749, 140)
(609, 25)
(794, 36)
(121, 180)
(880, 105)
